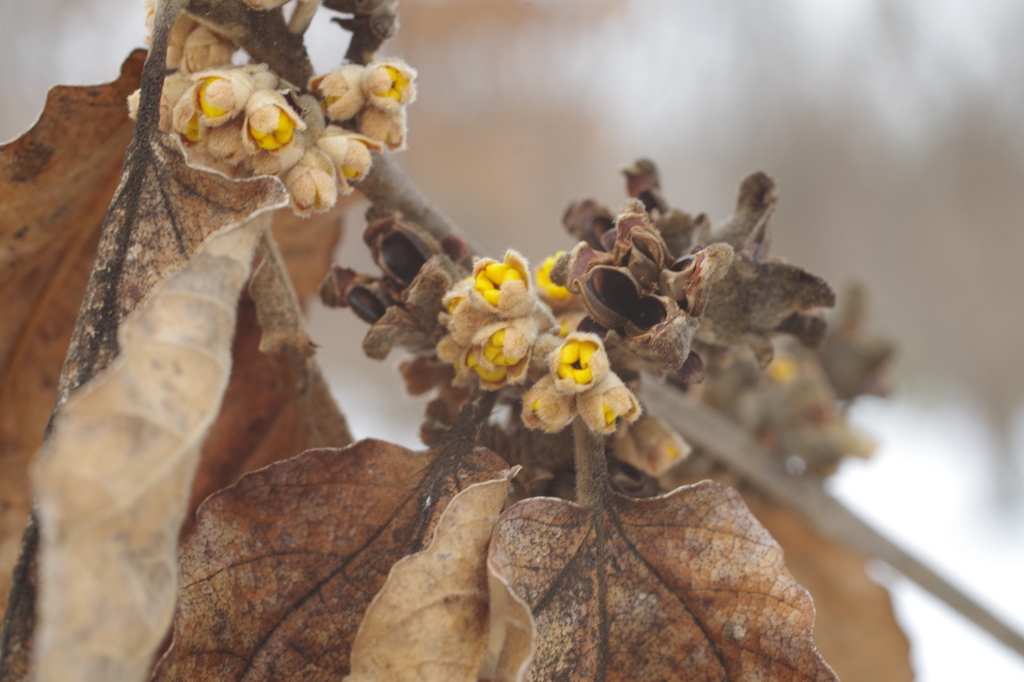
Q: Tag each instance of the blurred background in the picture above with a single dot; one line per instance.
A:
(895, 133)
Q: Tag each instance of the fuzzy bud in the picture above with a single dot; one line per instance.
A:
(386, 125)
(176, 40)
(185, 117)
(205, 49)
(221, 95)
(273, 163)
(503, 289)
(350, 153)
(226, 142)
(270, 123)
(607, 402)
(312, 184)
(389, 84)
(547, 408)
(579, 363)
(341, 91)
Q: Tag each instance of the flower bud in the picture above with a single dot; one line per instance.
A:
(546, 408)
(270, 123)
(221, 95)
(579, 363)
(503, 289)
(608, 401)
(311, 183)
(273, 163)
(651, 446)
(350, 153)
(388, 126)
(262, 5)
(389, 84)
(176, 40)
(185, 118)
(341, 91)
(226, 142)
(205, 49)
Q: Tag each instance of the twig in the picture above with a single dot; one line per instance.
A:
(592, 485)
(387, 184)
(727, 443)
(369, 30)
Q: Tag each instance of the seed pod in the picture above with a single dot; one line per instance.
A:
(588, 221)
(399, 247)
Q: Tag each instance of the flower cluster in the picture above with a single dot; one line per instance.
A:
(580, 382)
(496, 323)
(244, 120)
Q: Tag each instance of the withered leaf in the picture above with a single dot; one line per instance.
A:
(429, 621)
(684, 586)
(854, 626)
(55, 183)
(511, 634)
(112, 479)
(281, 567)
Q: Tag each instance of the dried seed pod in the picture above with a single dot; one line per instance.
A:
(312, 183)
(399, 247)
(270, 122)
(206, 49)
(588, 221)
(341, 91)
(748, 226)
(343, 287)
(689, 279)
(610, 400)
(389, 84)
(386, 125)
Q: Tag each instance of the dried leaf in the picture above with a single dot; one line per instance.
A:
(688, 583)
(55, 183)
(307, 244)
(511, 634)
(429, 621)
(854, 626)
(282, 565)
(112, 481)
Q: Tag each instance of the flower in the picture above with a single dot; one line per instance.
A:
(388, 84)
(607, 402)
(547, 288)
(578, 363)
(350, 153)
(387, 126)
(312, 184)
(270, 123)
(221, 95)
(204, 49)
(341, 90)
(503, 289)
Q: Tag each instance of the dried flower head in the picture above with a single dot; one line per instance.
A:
(312, 183)
(270, 123)
(389, 84)
(341, 91)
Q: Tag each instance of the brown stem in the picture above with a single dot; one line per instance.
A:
(264, 35)
(387, 185)
(592, 483)
(707, 429)
(369, 31)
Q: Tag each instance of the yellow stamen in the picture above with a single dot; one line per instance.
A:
(565, 371)
(204, 103)
(563, 330)
(536, 405)
(455, 304)
(575, 361)
(276, 138)
(489, 281)
(192, 129)
(544, 279)
(582, 376)
(783, 370)
(398, 84)
(570, 353)
(352, 173)
(609, 414)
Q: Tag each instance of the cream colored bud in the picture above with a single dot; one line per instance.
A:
(651, 446)
(389, 84)
(133, 104)
(607, 402)
(388, 126)
(226, 142)
(270, 122)
(546, 408)
(175, 86)
(176, 40)
(185, 118)
(350, 153)
(312, 183)
(341, 91)
(206, 49)
(274, 163)
(221, 94)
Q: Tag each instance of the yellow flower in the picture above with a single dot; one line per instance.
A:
(208, 107)
(574, 361)
(492, 376)
(544, 282)
(489, 281)
(270, 122)
(783, 369)
(389, 84)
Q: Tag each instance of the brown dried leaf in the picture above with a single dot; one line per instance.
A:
(854, 626)
(307, 244)
(429, 621)
(511, 634)
(55, 183)
(112, 480)
(281, 567)
(688, 583)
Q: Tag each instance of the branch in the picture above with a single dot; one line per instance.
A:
(264, 35)
(387, 184)
(707, 429)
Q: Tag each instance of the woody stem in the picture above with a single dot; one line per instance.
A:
(592, 485)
